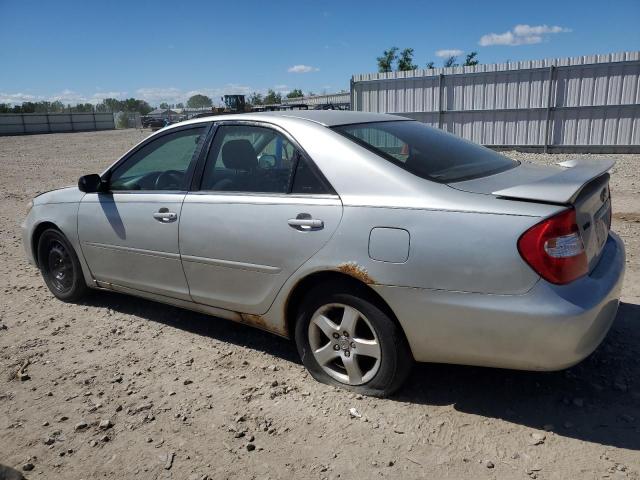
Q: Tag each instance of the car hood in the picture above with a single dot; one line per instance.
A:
(61, 195)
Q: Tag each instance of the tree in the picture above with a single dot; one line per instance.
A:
(471, 60)
(430, 65)
(123, 120)
(199, 101)
(272, 97)
(180, 105)
(295, 93)
(385, 62)
(256, 99)
(450, 62)
(164, 105)
(405, 62)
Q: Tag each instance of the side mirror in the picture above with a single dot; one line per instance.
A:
(267, 161)
(90, 183)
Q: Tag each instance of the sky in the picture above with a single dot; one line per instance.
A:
(84, 51)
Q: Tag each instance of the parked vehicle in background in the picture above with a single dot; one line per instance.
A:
(372, 240)
(153, 123)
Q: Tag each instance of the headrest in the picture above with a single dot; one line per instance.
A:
(239, 155)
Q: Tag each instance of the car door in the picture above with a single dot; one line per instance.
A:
(129, 233)
(261, 210)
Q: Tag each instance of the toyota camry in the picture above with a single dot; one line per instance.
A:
(371, 240)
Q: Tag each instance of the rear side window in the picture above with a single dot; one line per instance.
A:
(245, 158)
(251, 159)
(427, 152)
(306, 180)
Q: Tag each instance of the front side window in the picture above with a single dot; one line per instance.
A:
(427, 152)
(245, 158)
(160, 164)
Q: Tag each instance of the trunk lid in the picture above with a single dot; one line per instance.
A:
(582, 184)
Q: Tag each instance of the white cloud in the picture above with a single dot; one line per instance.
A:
(522, 34)
(302, 69)
(525, 30)
(446, 53)
(66, 96)
(99, 96)
(153, 95)
(69, 96)
(15, 98)
(156, 95)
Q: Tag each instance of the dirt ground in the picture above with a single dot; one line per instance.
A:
(125, 388)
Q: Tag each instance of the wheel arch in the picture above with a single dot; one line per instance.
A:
(37, 233)
(333, 278)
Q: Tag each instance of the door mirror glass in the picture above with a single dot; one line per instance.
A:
(267, 161)
(90, 183)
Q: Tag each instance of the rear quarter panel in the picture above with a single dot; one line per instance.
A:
(449, 250)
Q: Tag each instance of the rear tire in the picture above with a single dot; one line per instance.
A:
(347, 340)
(60, 266)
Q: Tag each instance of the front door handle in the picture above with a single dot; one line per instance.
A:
(304, 223)
(165, 216)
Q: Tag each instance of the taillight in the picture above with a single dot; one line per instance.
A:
(554, 248)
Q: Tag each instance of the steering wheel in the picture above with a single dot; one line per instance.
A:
(169, 179)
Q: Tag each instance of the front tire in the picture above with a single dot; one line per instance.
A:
(60, 266)
(347, 340)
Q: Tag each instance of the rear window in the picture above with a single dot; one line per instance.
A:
(427, 152)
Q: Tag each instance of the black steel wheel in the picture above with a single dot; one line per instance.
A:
(60, 266)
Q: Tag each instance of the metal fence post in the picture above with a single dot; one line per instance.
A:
(550, 106)
(440, 96)
(352, 94)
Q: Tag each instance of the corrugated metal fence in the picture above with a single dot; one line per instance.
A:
(589, 103)
(332, 98)
(25, 123)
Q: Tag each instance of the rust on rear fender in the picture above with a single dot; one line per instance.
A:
(356, 271)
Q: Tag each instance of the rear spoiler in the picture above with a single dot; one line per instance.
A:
(562, 187)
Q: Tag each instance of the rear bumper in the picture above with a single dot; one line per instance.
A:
(550, 327)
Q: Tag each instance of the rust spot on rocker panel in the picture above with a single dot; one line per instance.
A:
(260, 322)
(356, 271)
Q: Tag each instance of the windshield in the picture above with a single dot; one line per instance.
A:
(427, 152)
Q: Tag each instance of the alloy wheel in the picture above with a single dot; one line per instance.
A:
(344, 343)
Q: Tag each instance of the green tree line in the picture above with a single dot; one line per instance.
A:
(404, 60)
(107, 105)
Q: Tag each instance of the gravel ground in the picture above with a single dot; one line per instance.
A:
(118, 387)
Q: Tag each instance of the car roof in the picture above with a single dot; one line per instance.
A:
(328, 118)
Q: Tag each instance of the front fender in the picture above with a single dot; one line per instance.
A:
(64, 216)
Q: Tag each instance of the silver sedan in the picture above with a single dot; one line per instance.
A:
(372, 240)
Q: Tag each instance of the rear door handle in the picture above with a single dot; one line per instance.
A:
(165, 216)
(304, 223)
